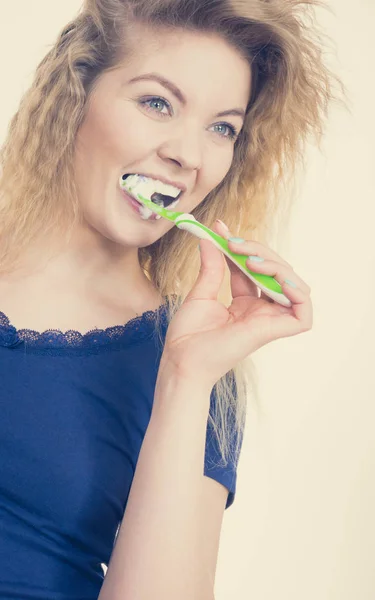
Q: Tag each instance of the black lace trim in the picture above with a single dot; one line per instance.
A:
(140, 327)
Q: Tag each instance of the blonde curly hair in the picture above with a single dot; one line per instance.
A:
(291, 92)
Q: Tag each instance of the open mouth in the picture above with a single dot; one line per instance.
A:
(158, 198)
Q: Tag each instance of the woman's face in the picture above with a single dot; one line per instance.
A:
(143, 127)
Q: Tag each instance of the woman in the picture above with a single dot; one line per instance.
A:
(123, 375)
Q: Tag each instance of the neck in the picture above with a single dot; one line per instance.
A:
(88, 263)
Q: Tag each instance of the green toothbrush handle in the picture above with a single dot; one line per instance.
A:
(266, 283)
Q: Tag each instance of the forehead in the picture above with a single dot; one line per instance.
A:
(198, 62)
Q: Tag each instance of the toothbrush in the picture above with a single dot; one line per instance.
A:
(139, 189)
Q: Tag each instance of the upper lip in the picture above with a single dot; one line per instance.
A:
(177, 184)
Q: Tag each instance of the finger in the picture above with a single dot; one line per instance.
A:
(256, 249)
(279, 271)
(299, 315)
(240, 284)
(300, 318)
(211, 273)
(221, 229)
(240, 281)
(301, 306)
(294, 320)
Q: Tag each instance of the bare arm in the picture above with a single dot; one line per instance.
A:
(160, 553)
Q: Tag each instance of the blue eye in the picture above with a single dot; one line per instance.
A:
(154, 99)
(146, 102)
(232, 130)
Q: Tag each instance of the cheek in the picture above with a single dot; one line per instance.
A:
(131, 136)
(217, 165)
(115, 134)
(127, 137)
(211, 176)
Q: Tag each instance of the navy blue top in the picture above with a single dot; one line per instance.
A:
(74, 411)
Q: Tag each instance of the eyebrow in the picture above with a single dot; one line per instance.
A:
(179, 95)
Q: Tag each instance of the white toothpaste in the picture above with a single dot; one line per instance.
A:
(139, 184)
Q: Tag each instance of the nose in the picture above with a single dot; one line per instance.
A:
(184, 147)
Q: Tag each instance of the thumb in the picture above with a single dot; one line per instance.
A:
(211, 273)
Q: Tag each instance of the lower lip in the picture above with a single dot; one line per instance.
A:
(136, 206)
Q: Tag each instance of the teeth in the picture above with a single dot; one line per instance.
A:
(147, 186)
(152, 185)
(161, 187)
(173, 204)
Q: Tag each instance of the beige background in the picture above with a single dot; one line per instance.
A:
(302, 526)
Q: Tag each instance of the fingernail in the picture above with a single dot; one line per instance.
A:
(223, 224)
(291, 283)
(256, 258)
(236, 240)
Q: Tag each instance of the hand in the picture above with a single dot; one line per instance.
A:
(206, 340)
